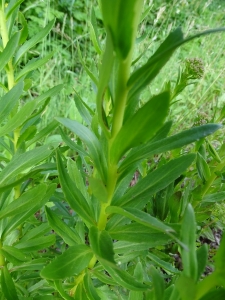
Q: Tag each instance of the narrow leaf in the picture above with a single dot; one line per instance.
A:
(154, 182)
(9, 50)
(33, 41)
(7, 285)
(188, 237)
(69, 236)
(73, 195)
(173, 142)
(73, 261)
(141, 126)
(101, 244)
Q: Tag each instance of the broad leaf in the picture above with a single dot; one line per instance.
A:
(73, 261)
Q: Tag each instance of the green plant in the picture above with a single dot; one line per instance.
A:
(24, 160)
(115, 253)
(124, 200)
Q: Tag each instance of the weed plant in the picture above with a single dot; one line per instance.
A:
(113, 206)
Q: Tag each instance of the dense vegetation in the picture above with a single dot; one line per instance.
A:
(112, 151)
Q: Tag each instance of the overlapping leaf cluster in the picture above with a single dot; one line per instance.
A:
(106, 233)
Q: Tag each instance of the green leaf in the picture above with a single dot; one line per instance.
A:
(212, 198)
(88, 71)
(36, 232)
(22, 163)
(173, 142)
(34, 207)
(121, 20)
(89, 288)
(217, 294)
(42, 133)
(124, 279)
(212, 151)
(186, 287)
(7, 285)
(138, 274)
(75, 175)
(33, 41)
(9, 100)
(18, 119)
(24, 31)
(158, 283)
(14, 255)
(93, 144)
(101, 244)
(144, 75)
(83, 109)
(188, 237)
(141, 126)
(27, 135)
(23, 203)
(203, 168)
(154, 182)
(163, 264)
(69, 236)
(33, 64)
(140, 217)
(9, 50)
(73, 195)
(202, 258)
(73, 261)
(139, 233)
(37, 243)
(12, 8)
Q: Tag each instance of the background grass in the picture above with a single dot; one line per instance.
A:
(197, 101)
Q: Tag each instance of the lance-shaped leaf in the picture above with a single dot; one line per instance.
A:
(34, 206)
(188, 237)
(121, 20)
(14, 255)
(203, 168)
(101, 244)
(90, 139)
(9, 50)
(140, 217)
(33, 41)
(23, 203)
(62, 229)
(173, 142)
(139, 233)
(73, 195)
(142, 126)
(37, 244)
(23, 162)
(8, 101)
(154, 182)
(158, 283)
(19, 119)
(34, 64)
(71, 262)
(7, 284)
(144, 75)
